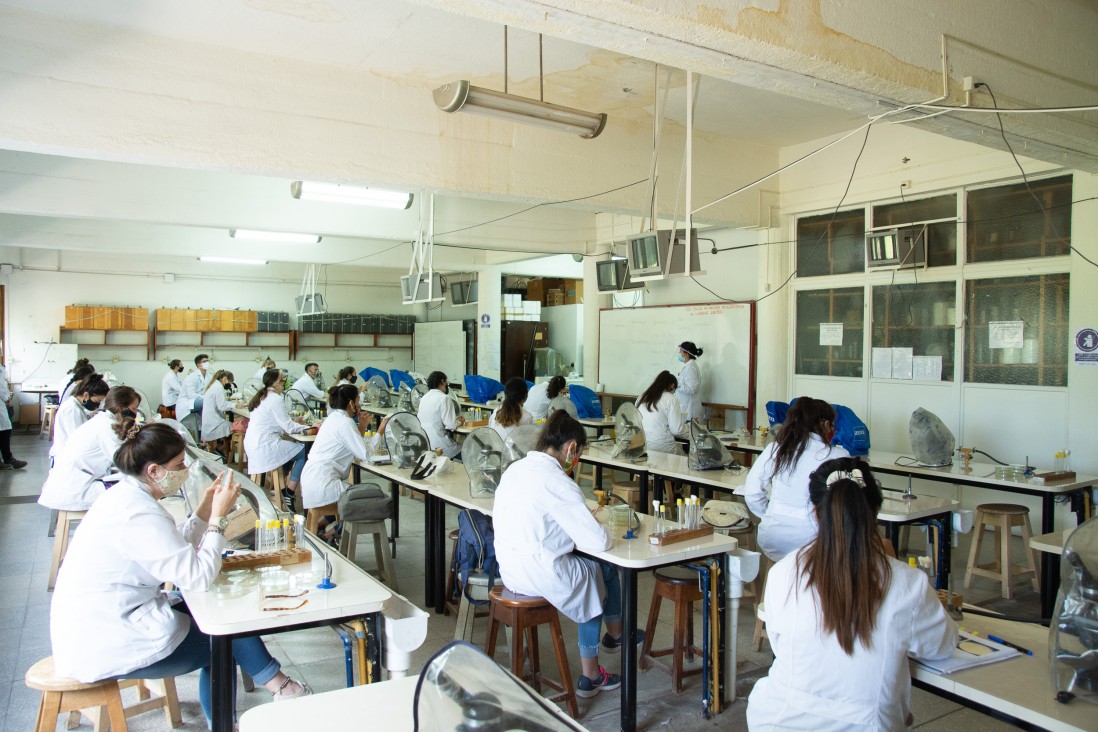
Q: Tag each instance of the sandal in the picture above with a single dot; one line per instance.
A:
(284, 692)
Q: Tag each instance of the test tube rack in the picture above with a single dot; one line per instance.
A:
(280, 558)
(674, 536)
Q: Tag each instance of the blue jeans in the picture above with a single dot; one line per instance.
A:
(611, 610)
(296, 464)
(194, 653)
(197, 408)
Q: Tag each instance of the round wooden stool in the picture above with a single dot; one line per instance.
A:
(681, 587)
(1002, 517)
(628, 491)
(313, 516)
(274, 481)
(48, 413)
(61, 695)
(66, 521)
(523, 614)
(236, 451)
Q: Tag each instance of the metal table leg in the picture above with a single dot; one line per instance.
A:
(629, 650)
(438, 548)
(1050, 563)
(429, 551)
(222, 680)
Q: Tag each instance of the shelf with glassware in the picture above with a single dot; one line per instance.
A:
(918, 316)
(1006, 222)
(113, 338)
(836, 305)
(1040, 304)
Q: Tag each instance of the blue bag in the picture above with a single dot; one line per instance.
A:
(776, 411)
(476, 552)
(850, 431)
(588, 404)
(370, 371)
(401, 377)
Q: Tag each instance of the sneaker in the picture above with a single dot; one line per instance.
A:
(288, 497)
(605, 681)
(611, 644)
(17, 464)
(6, 466)
(292, 689)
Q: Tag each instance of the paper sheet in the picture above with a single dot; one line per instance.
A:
(831, 334)
(1004, 334)
(926, 368)
(882, 363)
(901, 363)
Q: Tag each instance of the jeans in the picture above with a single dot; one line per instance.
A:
(197, 409)
(611, 610)
(296, 464)
(194, 653)
(5, 445)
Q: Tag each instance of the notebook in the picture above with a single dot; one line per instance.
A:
(971, 651)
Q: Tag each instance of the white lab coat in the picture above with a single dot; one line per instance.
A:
(788, 518)
(308, 387)
(689, 391)
(66, 391)
(663, 424)
(194, 385)
(505, 432)
(5, 395)
(337, 443)
(66, 420)
(814, 685)
(109, 615)
(263, 443)
(214, 406)
(540, 519)
(438, 415)
(170, 386)
(537, 400)
(259, 374)
(76, 479)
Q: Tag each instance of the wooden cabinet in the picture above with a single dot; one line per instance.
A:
(837, 305)
(829, 245)
(1010, 222)
(921, 317)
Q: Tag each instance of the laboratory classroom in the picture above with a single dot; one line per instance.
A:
(899, 243)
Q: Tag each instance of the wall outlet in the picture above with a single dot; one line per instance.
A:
(969, 83)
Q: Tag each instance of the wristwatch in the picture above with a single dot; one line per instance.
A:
(218, 524)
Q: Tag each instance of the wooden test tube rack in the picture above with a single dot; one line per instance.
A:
(280, 558)
(674, 536)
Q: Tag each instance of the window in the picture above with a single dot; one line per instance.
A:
(921, 317)
(814, 307)
(941, 236)
(1005, 222)
(1039, 305)
(831, 247)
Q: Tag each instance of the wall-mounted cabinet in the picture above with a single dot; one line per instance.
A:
(921, 317)
(163, 339)
(837, 305)
(1020, 221)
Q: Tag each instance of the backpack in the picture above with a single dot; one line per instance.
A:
(475, 555)
(587, 402)
(776, 411)
(850, 431)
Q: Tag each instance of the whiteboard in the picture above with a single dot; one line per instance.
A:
(635, 344)
(440, 347)
(42, 365)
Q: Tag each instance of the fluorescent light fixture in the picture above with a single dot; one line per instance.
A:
(282, 236)
(461, 96)
(232, 260)
(359, 195)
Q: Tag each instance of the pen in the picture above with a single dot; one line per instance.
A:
(1008, 644)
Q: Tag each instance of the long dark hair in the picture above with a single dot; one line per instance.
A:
(556, 385)
(92, 385)
(560, 429)
(664, 382)
(340, 396)
(348, 373)
(80, 371)
(270, 378)
(118, 403)
(846, 566)
(806, 417)
(152, 443)
(514, 394)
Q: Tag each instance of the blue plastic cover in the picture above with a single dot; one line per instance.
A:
(776, 411)
(587, 402)
(369, 371)
(401, 377)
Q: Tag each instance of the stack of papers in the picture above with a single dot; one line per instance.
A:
(980, 651)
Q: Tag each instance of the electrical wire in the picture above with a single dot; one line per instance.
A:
(1025, 179)
(996, 109)
(367, 256)
(989, 455)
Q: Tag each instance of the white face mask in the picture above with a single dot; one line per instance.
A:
(173, 481)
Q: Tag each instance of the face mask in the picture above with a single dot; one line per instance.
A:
(91, 405)
(178, 369)
(682, 358)
(128, 413)
(173, 482)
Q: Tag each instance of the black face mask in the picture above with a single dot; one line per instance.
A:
(179, 370)
(90, 404)
(128, 413)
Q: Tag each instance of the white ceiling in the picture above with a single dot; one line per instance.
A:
(59, 203)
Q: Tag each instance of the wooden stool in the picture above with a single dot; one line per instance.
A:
(48, 414)
(61, 695)
(237, 458)
(627, 490)
(313, 515)
(65, 521)
(273, 480)
(1002, 517)
(681, 587)
(523, 615)
(466, 612)
(382, 555)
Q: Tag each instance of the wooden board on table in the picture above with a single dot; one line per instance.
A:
(271, 559)
(674, 536)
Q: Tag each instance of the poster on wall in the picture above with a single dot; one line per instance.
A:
(831, 334)
(1086, 347)
(1004, 334)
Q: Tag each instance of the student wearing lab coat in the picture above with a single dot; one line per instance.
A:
(662, 416)
(511, 413)
(337, 443)
(76, 479)
(268, 363)
(194, 386)
(843, 618)
(81, 370)
(439, 416)
(9, 461)
(215, 405)
(541, 519)
(170, 386)
(689, 391)
(537, 401)
(347, 375)
(109, 617)
(75, 411)
(263, 443)
(306, 383)
(788, 521)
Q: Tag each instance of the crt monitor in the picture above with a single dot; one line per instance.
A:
(409, 292)
(613, 276)
(645, 253)
(464, 292)
(901, 247)
(648, 253)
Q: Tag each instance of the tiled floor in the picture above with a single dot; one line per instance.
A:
(317, 655)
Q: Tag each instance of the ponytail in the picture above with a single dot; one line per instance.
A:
(846, 566)
(152, 443)
(118, 403)
(514, 395)
(805, 418)
(222, 373)
(270, 378)
(341, 395)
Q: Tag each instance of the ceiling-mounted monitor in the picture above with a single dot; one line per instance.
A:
(463, 293)
(613, 276)
(899, 248)
(414, 289)
(648, 254)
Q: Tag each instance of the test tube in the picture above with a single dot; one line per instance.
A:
(657, 523)
(285, 543)
(258, 536)
(678, 508)
(663, 519)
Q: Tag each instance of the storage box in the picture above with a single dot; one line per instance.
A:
(535, 290)
(554, 297)
(573, 292)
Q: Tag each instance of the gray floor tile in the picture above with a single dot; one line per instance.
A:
(968, 720)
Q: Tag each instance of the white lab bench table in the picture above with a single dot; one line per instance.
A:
(389, 704)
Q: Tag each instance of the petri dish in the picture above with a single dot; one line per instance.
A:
(277, 581)
(227, 590)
